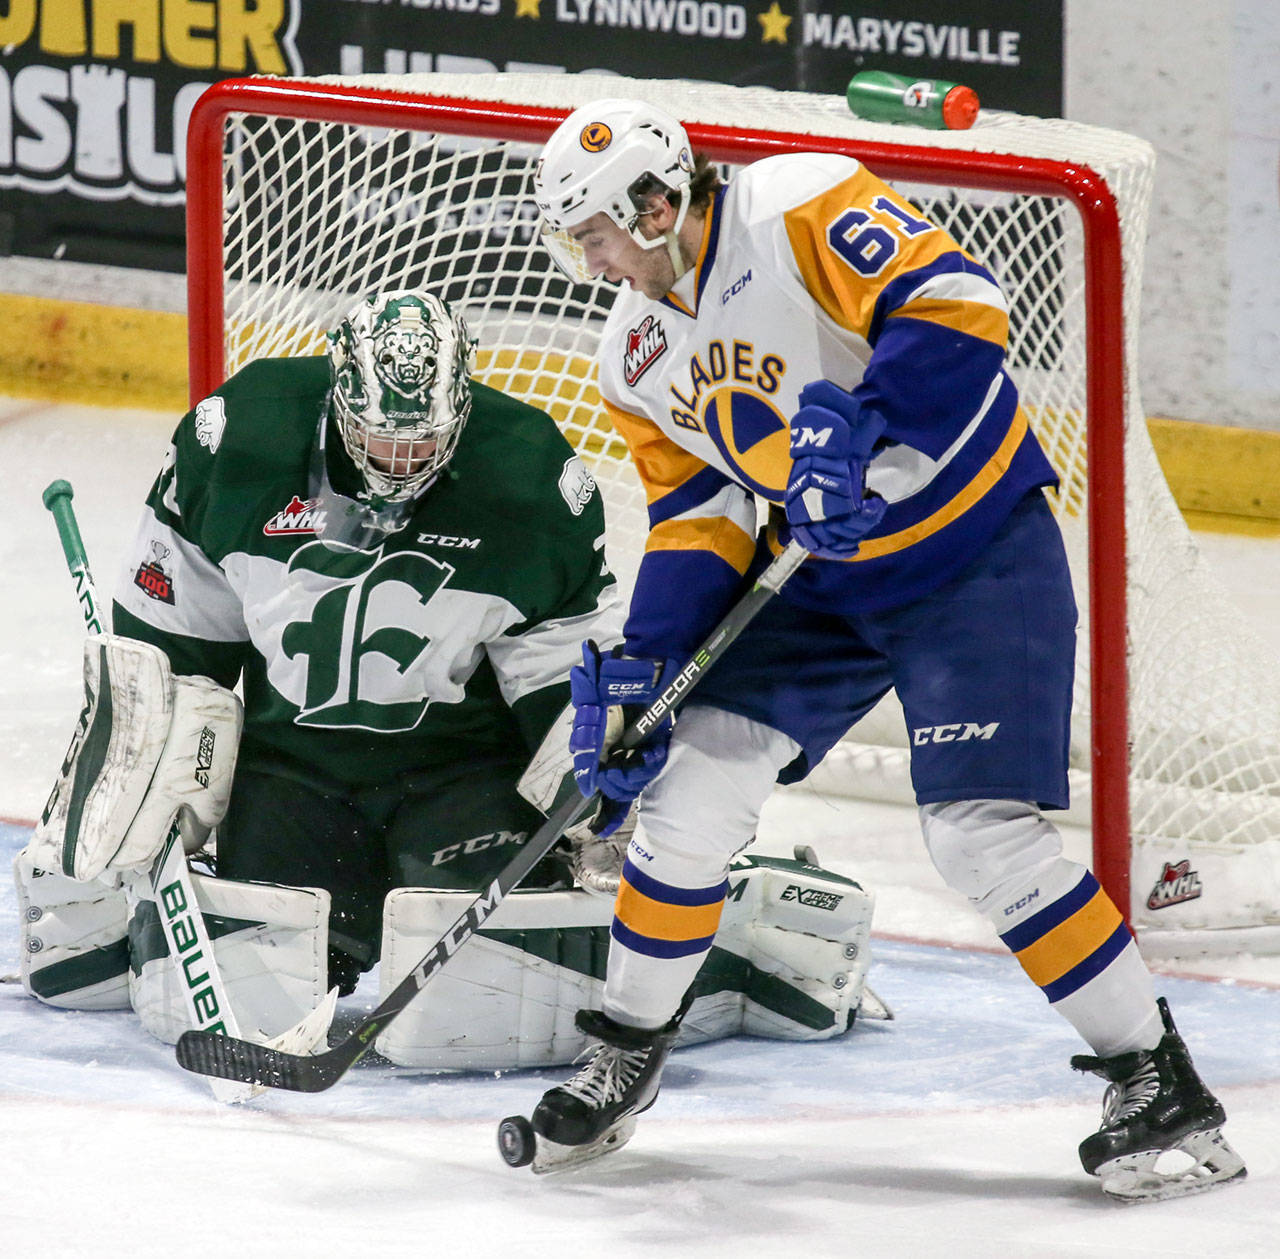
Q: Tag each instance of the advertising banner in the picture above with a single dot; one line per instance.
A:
(95, 94)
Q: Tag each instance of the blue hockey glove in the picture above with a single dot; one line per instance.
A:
(607, 692)
(827, 504)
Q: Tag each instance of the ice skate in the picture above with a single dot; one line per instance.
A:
(1161, 1134)
(594, 1113)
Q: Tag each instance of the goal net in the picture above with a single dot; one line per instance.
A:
(306, 194)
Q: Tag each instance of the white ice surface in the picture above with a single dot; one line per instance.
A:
(950, 1131)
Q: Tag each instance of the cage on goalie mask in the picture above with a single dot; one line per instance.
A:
(401, 365)
(610, 157)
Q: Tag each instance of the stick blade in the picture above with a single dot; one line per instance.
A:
(228, 1058)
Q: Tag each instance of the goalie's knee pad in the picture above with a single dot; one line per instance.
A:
(270, 946)
(74, 941)
(146, 746)
(789, 963)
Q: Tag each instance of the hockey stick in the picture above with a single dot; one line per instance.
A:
(240, 1060)
(171, 888)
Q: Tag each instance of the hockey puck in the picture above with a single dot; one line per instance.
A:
(516, 1141)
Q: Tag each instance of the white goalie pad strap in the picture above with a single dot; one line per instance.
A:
(790, 963)
(545, 775)
(194, 773)
(114, 751)
(790, 957)
(75, 951)
(270, 946)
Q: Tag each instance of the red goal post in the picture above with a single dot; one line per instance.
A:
(261, 141)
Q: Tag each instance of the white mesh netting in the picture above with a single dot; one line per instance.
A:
(317, 214)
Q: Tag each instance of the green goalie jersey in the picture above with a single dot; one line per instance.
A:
(450, 637)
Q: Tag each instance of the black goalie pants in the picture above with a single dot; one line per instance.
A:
(447, 828)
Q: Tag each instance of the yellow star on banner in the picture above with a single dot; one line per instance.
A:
(774, 23)
(528, 8)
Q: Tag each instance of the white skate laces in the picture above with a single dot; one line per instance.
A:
(1127, 1097)
(608, 1075)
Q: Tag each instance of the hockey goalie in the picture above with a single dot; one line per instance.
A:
(396, 567)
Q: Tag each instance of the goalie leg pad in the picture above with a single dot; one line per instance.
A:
(789, 963)
(75, 951)
(508, 998)
(270, 946)
(790, 958)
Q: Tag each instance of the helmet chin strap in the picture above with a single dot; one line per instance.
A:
(673, 252)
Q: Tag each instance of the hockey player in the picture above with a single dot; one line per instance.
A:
(398, 564)
(805, 336)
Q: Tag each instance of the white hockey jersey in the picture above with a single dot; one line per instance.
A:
(811, 267)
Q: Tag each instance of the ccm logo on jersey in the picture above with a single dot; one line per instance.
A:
(735, 288)
(813, 897)
(449, 540)
(645, 346)
(955, 732)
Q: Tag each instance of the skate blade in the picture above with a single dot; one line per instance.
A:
(554, 1157)
(1134, 1178)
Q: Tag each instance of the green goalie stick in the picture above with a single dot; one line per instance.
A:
(203, 991)
(232, 1059)
(57, 498)
(169, 879)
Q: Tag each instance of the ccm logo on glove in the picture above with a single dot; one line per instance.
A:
(832, 442)
(805, 438)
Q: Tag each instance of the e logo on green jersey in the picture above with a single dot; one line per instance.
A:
(360, 642)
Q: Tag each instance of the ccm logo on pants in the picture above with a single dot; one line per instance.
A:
(956, 732)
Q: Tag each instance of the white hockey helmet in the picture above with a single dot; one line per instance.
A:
(401, 363)
(610, 157)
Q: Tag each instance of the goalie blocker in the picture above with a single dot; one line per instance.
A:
(790, 961)
(148, 746)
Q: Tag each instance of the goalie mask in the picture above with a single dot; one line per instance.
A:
(611, 157)
(401, 365)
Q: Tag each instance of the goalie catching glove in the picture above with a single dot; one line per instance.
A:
(147, 747)
(607, 693)
(832, 441)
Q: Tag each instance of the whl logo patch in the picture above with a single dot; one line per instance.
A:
(645, 346)
(1177, 883)
(813, 897)
(299, 517)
